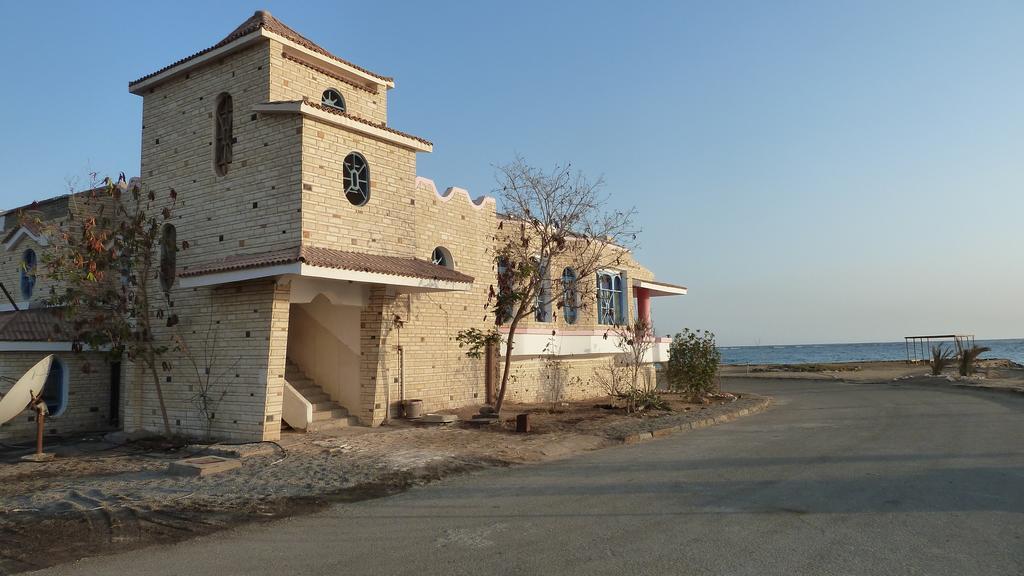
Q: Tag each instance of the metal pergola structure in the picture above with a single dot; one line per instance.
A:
(919, 348)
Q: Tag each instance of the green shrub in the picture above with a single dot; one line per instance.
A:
(941, 357)
(693, 362)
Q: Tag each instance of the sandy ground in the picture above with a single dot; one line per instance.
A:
(995, 373)
(98, 497)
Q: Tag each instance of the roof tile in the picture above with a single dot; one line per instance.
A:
(337, 259)
(33, 325)
(379, 125)
(263, 19)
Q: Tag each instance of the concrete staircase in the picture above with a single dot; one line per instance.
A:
(327, 413)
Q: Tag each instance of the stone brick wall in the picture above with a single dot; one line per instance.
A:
(384, 225)
(561, 378)
(88, 400)
(10, 273)
(52, 213)
(239, 333)
(254, 208)
(437, 370)
(293, 80)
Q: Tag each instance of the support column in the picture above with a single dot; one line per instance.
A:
(643, 305)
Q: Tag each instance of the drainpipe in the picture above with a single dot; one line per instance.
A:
(397, 324)
(401, 373)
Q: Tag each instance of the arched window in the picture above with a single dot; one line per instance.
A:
(168, 257)
(225, 133)
(542, 309)
(334, 99)
(55, 391)
(617, 299)
(442, 257)
(29, 263)
(609, 298)
(357, 179)
(504, 308)
(570, 296)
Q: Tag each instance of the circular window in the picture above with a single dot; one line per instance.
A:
(334, 99)
(357, 179)
(442, 257)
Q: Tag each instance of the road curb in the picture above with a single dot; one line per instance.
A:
(983, 388)
(638, 437)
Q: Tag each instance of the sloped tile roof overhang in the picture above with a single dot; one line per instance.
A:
(336, 117)
(328, 263)
(262, 21)
(34, 325)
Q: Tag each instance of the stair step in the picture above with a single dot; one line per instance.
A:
(327, 414)
(321, 425)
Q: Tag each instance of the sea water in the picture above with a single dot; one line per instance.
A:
(820, 353)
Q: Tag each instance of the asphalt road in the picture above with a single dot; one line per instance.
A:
(833, 479)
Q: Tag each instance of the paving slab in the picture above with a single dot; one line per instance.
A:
(202, 466)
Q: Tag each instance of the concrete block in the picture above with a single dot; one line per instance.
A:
(439, 418)
(202, 466)
(638, 437)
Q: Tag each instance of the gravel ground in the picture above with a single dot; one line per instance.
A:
(98, 498)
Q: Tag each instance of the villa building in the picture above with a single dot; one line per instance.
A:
(328, 278)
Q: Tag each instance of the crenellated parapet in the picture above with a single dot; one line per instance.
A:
(453, 191)
(457, 224)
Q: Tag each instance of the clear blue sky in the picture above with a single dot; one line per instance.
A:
(813, 171)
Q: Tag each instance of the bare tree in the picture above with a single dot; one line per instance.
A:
(209, 387)
(556, 217)
(635, 340)
(624, 376)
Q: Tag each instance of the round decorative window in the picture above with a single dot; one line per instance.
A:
(357, 179)
(334, 99)
(442, 257)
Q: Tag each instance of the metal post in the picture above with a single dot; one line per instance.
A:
(8, 294)
(40, 424)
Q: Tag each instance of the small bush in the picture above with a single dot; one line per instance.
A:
(639, 400)
(693, 363)
(941, 357)
(616, 380)
(969, 357)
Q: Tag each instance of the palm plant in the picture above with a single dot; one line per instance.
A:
(969, 357)
(941, 357)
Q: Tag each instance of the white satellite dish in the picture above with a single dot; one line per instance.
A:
(28, 386)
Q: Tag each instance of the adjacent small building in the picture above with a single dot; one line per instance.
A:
(328, 278)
